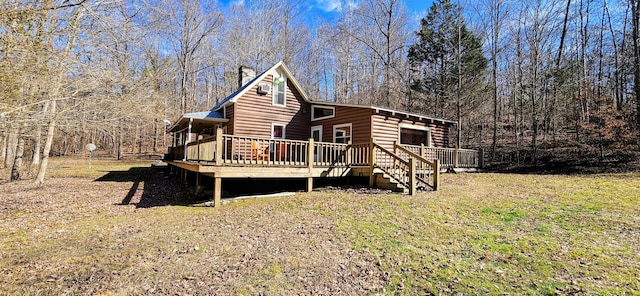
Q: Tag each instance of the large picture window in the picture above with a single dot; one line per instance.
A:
(415, 135)
(279, 89)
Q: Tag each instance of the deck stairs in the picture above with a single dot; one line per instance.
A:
(398, 184)
(393, 170)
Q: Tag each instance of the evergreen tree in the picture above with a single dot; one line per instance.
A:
(447, 60)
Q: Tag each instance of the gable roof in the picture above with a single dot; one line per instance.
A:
(216, 115)
(232, 98)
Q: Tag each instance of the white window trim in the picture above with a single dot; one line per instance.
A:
(413, 127)
(336, 127)
(274, 93)
(317, 128)
(284, 129)
(324, 117)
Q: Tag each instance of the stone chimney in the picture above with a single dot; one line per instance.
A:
(245, 74)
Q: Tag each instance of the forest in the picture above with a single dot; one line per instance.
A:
(528, 81)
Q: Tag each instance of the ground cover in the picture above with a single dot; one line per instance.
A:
(125, 228)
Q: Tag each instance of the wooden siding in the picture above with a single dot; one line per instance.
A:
(360, 119)
(385, 128)
(230, 115)
(254, 114)
(440, 135)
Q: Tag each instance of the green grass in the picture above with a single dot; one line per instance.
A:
(479, 234)
(490, 233)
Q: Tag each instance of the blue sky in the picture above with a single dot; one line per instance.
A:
(329, 10)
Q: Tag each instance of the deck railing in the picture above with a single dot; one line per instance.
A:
(449, 157)
(407, 164)
(238, 150)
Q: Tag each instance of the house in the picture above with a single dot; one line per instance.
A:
(270, 127)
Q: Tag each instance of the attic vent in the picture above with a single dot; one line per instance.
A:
(264, 89)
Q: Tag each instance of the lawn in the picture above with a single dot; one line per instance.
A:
(125, 228)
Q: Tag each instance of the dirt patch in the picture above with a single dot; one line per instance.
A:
(133, 232)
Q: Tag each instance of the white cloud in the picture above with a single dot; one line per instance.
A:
(330, 5)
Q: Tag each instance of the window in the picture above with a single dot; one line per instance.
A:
(318, 112)
(415, 135)
(277, 131)
(279, 89)
(342, 133)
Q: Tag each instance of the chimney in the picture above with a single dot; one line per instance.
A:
(245, 74)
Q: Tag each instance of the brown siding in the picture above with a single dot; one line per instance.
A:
(440, 135)
(385, 130)
(360, 119)
(254, 114)
(230, 115)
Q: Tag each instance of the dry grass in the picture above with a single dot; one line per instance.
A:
(92, 231)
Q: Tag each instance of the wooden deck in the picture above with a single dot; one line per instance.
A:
(229, 156)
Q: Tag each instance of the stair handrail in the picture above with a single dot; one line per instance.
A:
(399, 179)
(433, 164)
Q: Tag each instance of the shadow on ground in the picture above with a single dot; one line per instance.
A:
(158, 188)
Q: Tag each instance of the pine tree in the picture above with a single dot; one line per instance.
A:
(448, 61)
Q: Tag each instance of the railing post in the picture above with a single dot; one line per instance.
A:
(198, 149)
(347, 152)
(423, 153)
(412, 176)
(395, 147)
(372, 161)
(455, 157)
(310, 149)
(436, 173)
(219, 139)
(310, 154)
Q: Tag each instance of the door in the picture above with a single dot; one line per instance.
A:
(316, 135)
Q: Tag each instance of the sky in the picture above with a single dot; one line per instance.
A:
(329, 10)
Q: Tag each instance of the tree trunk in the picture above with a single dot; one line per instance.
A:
(37, 141)
(47, 145)
(16, 170)
(3, 149)
(635, 6)
(10, 154)
(120, 143)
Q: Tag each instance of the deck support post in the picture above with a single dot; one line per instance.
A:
(217, 191)
(481, 158)
(436, 173)
(218, 153)
(412, 176)
(198, 180)
(310, 160)
(310, 184)
(372, 161)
